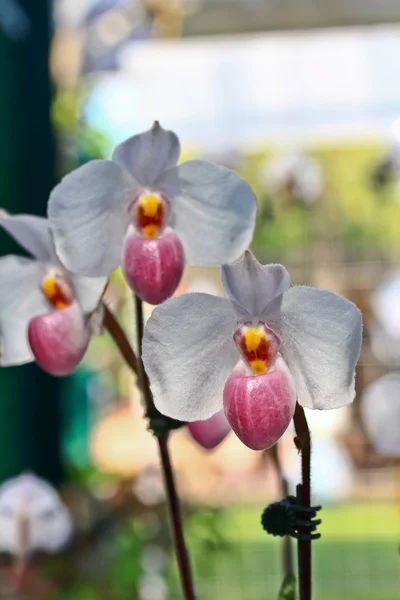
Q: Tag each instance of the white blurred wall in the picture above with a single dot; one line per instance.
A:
(223, 91)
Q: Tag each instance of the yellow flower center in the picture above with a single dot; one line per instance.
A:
(150, 214)
(57, 292)
(258, 345)
(254, 347)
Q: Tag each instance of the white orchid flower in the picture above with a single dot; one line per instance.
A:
(144, 212)
(32, 517)
(46, 312)
(254, 354)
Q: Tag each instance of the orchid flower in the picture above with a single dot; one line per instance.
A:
(144, 212)
(32, 517)
(47, 314)
(253, 354)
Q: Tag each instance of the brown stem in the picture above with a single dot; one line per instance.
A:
(144, 382)
(287, 551)
(176, 520)
(120, 339)
(182, 556)
(303, 443)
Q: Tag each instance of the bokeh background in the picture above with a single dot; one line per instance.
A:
(302, 97)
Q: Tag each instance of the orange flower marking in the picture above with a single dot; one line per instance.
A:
(258, 345)
(150, 214)
(57, 292)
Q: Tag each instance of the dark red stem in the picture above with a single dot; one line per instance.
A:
(303, 443)
(182, 556)
(120, 339)
(176, 520)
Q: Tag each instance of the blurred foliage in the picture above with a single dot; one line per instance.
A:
(288, 589)
(114, 565)
(209, 545)
(125, 569)
(112, 569)
(206, 530)
(340, 522)
(77, 141)
(231, 557)
(353, 211)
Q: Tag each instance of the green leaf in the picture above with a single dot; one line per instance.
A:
(288, 588)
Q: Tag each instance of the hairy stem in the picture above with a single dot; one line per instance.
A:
(182, 556)
(303, 443)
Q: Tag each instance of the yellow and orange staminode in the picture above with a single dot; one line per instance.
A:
(150, 213)
(258, 345)
(57, 292)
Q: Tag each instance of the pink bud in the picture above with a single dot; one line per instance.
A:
(260, 407)
(153, 268)
(59, 339)
(211, 432)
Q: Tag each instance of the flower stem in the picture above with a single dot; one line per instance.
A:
(120, 339)
(182, 556)
(176, 520)
(303, 444)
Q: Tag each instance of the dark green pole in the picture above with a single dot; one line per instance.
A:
(29, 399)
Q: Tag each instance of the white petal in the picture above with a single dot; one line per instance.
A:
(321, 341)
(380, 410)
(188, 353)
(255, 289)
(21, 299)
(146, 156)
(89, 217)
(88, 291)
(213, 212)
(32, 233)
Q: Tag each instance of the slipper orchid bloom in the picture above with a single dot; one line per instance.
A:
(144, 212)
(47, 314)
(254, 354)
